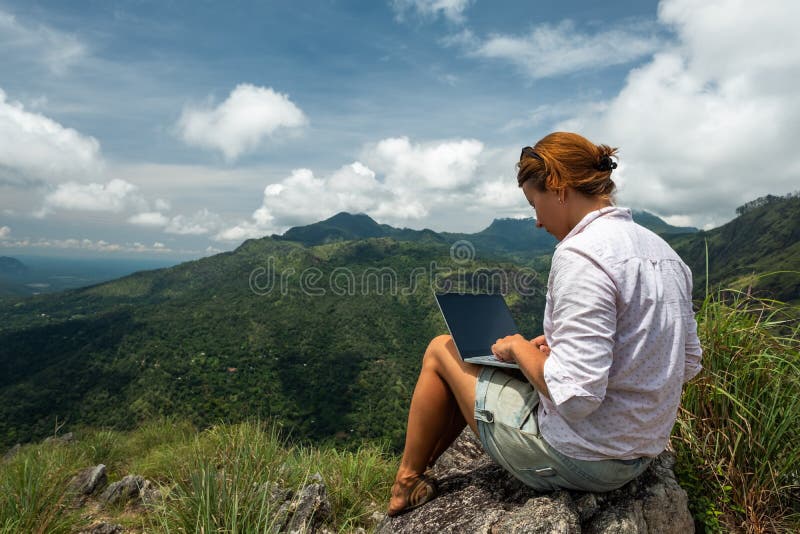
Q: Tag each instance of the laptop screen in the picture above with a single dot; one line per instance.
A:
(476, 321)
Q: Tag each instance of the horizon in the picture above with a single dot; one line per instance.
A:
(78, 254)
(180, 131)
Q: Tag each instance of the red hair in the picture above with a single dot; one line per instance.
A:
(562, 159)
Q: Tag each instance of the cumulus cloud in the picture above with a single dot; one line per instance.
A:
(56, 50)
(201, 222)
(5, 232)
(99, 245)
(242, 122)
(438, 165)
(113, 196)
(302, 198)
(452, 10)
(711, 122)
(149, 218)
(552, 50)
(398, 182)
(34, 148)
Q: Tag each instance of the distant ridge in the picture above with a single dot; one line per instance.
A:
(764, 238)
(502, 236)
(12, 266)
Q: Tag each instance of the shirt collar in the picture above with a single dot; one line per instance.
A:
(614, 212)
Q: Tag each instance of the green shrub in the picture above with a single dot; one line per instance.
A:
(738, 429)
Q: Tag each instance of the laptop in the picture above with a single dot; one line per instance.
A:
(476, 322)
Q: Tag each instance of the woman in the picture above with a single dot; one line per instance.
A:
(599, 391)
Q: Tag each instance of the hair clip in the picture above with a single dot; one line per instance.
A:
(606, 163)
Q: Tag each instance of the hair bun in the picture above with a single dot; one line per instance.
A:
(606, 163)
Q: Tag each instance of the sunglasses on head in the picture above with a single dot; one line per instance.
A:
(529, 152)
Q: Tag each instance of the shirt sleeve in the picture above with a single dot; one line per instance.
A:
(694, 352)
(584, 320)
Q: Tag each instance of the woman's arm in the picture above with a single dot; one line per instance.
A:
(527, 355)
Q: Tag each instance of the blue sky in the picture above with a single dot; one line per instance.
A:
(180, 129)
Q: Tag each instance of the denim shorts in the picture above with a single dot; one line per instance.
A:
(506, 407)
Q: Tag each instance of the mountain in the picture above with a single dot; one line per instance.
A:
(326, 340)
(517, 237)
(764, 238)
(12, 266)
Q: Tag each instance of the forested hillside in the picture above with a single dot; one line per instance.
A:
(326, 340)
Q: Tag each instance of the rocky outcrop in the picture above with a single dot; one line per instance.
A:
(87, 482)
(304, 512)
(103, 528)
(132, 488)
(477, 495)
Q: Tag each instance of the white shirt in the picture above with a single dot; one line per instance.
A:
(622, 336)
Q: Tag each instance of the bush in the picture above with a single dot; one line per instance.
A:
(737, 432)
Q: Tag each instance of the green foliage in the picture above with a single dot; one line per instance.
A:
(223, 479)
(197, 342)
(32, 490)
(738, 429)
(759, 251)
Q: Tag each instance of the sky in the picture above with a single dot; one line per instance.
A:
(182, 128)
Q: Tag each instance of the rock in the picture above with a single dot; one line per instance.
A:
(304, 512)
(69, 437)
(123, 491)
(89, 480)
(12, 452)
(103, 528)
(476, 495)
(149, 494)
(542, 515)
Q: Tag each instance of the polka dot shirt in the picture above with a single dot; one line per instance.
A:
(623, 339)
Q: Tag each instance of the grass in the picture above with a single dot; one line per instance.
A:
(736, 440)
(739, 426)
(223, 479)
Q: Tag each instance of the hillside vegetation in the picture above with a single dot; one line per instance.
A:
(735, 439)
(333, 351)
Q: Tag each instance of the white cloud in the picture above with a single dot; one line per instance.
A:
(452, 10)
(99, 245)
(501, 193)
(56, 50)
(712, 122)
(553, 50)
(149, 218)
(399, 182)
(242, 122)
(352, 188)
(202, 222)
(5, 232)
(438, 165)
(34, 147)
(113, 196)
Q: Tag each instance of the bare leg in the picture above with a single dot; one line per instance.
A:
(454, 429)
(445, 385)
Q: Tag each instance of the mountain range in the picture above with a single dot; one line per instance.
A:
(321, 329)
(508, 236)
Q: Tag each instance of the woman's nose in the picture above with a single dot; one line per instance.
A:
(539, 224)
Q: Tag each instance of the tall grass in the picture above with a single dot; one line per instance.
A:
(32, 490)
(229, 479)
(739, 426)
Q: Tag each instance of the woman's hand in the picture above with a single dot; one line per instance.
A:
(541, 343)
(503, 349)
